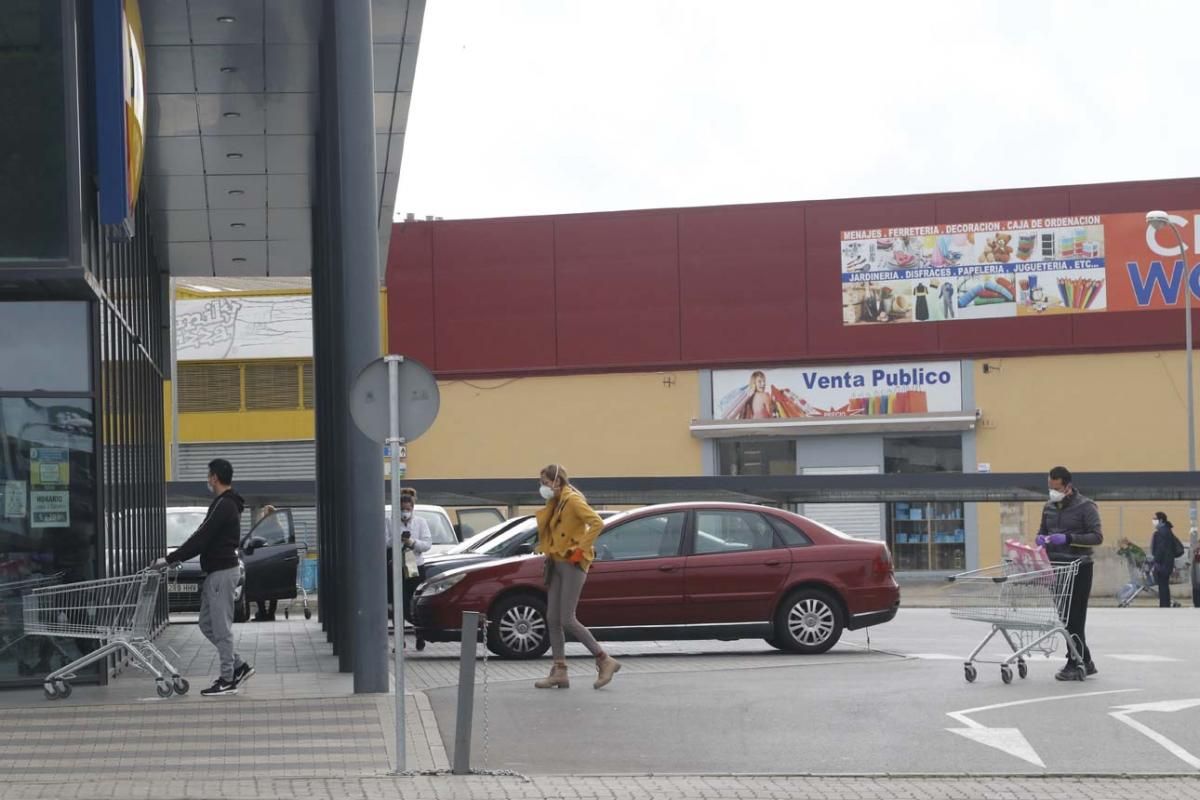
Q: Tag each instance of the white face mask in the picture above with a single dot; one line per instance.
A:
(546, 492)
(1154, 521)
(1056, 496)
(406, 515)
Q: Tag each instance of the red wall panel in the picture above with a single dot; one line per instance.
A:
(494, 296)
(742, 284)
(717, 286)
(410, 313)
(617, 290)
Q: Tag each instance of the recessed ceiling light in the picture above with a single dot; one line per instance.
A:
(238, 260)
(227, 20)
(236, 192)
(228, 69)
(233, 155)
(231, 114)
(237, 224)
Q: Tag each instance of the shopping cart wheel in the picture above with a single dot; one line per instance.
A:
(50, 691)
(181, 685)
(969, 673)
(163, 688)
(308, 613)
(1006, 673)
(64, 689)
(1022, 669)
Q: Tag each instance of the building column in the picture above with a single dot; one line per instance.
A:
(357, 316)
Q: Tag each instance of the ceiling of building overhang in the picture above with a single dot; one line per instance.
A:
(232, 101)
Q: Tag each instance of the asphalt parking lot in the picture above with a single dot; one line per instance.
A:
(899, 705)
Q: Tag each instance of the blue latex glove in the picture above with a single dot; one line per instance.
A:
(1056, 539)
(1041, 540)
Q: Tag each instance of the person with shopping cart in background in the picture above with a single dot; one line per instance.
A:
(1069, 531)
(1165, 547)
(216, 542)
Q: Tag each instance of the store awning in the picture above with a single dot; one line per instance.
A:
(826, 426)
(770, 489)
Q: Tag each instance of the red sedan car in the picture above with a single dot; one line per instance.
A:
(683, 571)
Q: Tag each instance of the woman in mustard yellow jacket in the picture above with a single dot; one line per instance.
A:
(567, 530)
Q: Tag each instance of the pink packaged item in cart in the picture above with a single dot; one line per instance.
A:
(1030, 558)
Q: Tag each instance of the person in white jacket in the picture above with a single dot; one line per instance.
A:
(415, 537)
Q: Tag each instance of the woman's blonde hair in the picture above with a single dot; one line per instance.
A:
(555, 473)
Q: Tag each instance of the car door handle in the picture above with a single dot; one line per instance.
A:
(774, 562)
(666, 568)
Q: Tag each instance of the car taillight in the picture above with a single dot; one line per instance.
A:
(883, 562)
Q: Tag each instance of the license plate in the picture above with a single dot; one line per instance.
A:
(183, 588)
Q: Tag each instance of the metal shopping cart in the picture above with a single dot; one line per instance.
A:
(12, 622)
(117, 611)
(300, 590)
(1027, 607)
(1141, 578)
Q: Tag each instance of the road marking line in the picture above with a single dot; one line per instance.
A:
(1166, 706)
(1142, 658)
(1011, 740)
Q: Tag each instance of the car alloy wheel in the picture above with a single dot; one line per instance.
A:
(809, 622)
(519, 630)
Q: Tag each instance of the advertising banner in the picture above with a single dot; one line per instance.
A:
(837, 391)
(244, 327)
(1013, 268)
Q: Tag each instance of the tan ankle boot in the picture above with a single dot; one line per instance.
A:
(606, 667)
(557, 679)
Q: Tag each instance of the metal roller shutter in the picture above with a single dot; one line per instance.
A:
(262, 460)
(861, 520)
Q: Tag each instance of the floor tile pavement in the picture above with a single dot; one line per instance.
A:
(674, 787)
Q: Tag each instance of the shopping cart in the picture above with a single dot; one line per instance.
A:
(1141, 578)
(12, 622)
(1026, 607)
(302, 548)
(117, 611)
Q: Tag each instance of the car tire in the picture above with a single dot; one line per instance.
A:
(518, 628)
(241, 609)
(808, 621)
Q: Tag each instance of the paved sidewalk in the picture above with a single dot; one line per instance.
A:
(685, 787)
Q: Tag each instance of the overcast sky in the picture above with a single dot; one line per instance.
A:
(548, 106)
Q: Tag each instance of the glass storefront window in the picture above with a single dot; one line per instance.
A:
(757, 456)
(45, 347)
(33, 182)
(47, 520)
(926, 536)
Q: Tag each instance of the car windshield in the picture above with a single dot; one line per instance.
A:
(470, 545)
(502, 541)
(182, 524)
(439, 527)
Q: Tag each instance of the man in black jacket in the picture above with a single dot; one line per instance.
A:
(1070, 531)
(216, 541)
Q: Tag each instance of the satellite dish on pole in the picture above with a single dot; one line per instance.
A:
(419, 400)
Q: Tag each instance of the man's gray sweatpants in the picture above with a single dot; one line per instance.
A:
(216, 617)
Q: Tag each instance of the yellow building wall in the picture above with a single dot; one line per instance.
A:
(1090, 413)
(594, 425)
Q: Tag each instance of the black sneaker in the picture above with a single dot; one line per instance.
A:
(220, 686)
(1091, 668)
(242, 674)
(1071, 672)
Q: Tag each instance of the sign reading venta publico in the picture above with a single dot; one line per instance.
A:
(837, 391)
(1014, 268)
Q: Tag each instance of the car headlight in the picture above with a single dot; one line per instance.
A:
(440, 585)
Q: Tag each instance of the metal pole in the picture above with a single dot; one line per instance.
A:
(1191, 411)
(356, 207)
(174, 385)
(466, 694)
(394, 441)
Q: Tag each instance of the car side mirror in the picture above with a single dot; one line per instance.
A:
(254, 543)
(525, 549)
